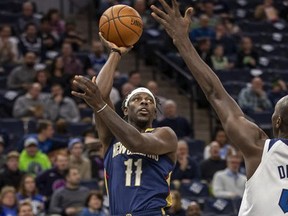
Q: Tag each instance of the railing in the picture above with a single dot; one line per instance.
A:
(183, 80)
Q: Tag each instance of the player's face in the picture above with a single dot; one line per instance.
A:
(141, 108)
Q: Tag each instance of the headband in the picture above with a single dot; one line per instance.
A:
(139, 90)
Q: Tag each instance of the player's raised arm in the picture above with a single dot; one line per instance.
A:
(105, 82)
(246, 135)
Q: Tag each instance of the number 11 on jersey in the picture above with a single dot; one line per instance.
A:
(129, 171)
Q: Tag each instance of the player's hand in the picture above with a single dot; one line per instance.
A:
(90, 92)
(111, 45)
(171, 19)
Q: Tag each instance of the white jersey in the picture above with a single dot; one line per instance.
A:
(266, 192)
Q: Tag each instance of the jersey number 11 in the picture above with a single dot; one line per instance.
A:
(129, 164)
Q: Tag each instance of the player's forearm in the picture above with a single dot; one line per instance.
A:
(106, 75)
(125, 133)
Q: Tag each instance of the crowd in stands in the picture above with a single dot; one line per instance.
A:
(51, 160)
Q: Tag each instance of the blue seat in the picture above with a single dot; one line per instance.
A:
(233, 88)
(196, 148)
(14, 128)
(196, 190)
(217, 206)
(8, 18)
(86, 112)
(262, 119)
(3, 81)
(91, 184)
(76, 129)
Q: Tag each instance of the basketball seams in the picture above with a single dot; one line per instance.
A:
(116, 26)
(129, 27)
(108, 20)
(105, 15)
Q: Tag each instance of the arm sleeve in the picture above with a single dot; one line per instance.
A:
(55, 204)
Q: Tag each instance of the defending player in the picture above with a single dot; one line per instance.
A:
(266, 160)
(139, 162)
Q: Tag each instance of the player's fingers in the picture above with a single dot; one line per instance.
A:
(80, 83)
(165, 6)
(175, 7)
(159, 12)
(189, 13)
(159, 20)
(79, 95)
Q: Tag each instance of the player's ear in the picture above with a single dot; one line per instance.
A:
(125, 111)
(278, 122)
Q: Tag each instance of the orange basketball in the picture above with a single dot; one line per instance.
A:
(121, 25)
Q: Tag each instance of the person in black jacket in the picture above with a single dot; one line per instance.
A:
(11, 175)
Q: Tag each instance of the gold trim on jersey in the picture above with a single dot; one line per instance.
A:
(106, 181)
(169, 197)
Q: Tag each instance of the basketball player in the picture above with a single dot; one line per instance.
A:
(139, 161)
(266, 161)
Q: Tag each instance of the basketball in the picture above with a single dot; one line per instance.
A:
(121, 25)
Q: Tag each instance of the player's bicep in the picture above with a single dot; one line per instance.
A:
(244, 134)
(161, 141)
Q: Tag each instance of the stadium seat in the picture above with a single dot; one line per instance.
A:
(196, 148)
(91, 184)
(8, 18)
(196, 190)
(76, 129)
(14, 128)
(262, 119)
(216, 206)
(86, 112)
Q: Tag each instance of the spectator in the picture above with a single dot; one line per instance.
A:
(31, 104)
(208, 9)
(153, 87)
(213, 164)
(266, 11)
(69, 200)
(44, 134)
(203, 31)
(32, 160)
(95, 154)
(53, 179)
(72, 65)
(28, 192)
(225, 149)
(25, 209)
(97, 57)
(193, 209)
(176, 207)
(278, 91)
(254, 98)
(72, 37)
(134, 78)
(56, 22)
(223, 37)
(229, 183)
(30, 41)
(8, 47)
(204, 50)
(8, 202)
(179, 124)
(22, 76)
(27, 16)
(49, 39)
(94, 205)
(247, 57)
(58, 76)
(59, 106)
(11, 174)
(218, 60)
(125, 90)
(2, 155)
(77, 159)
(42, 78)
(186, 168)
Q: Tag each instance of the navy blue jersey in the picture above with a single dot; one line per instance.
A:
(137, 182)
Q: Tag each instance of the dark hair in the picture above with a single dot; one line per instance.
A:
(24, 203)
(51, 12)
(98, 194)
(43, 125)
(22, 189)
(216, 131)
(131, 73)
(67, 171)
(44, 19)
(30, 24)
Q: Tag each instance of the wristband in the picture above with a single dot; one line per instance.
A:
(100, 110)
